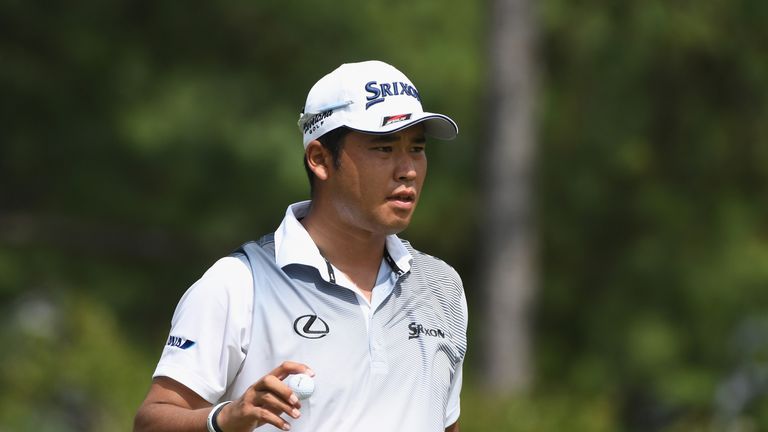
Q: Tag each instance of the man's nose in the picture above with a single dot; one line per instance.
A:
(406, 168)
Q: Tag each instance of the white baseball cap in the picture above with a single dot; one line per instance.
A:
(371, 97)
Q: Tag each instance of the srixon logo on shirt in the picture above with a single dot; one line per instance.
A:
(415, 330)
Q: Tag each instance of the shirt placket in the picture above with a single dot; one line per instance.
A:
(376, 340)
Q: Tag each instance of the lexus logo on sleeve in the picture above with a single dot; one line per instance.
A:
(310, 327)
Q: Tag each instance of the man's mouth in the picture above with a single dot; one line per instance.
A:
(403, 196)
(404, 200)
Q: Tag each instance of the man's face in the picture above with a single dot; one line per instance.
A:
(377, 186)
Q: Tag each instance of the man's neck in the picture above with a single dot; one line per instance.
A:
(355, 252)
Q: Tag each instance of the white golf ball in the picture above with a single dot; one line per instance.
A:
(301, 384)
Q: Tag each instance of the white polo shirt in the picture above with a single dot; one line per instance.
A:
(211, 348)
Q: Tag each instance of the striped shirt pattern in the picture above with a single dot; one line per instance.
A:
(395, 374)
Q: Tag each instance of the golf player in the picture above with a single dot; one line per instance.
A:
(333, 293)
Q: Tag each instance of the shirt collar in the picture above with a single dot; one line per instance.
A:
(293, 245)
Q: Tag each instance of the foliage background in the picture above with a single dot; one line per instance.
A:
(140, 141)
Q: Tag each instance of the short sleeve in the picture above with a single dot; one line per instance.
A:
(453, 407)
(210, 330)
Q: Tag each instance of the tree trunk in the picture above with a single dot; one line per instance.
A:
(509, 244)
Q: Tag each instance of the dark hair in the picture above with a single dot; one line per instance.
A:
(333, 141)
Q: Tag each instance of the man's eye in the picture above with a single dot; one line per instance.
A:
(386, 149)
(417, 149)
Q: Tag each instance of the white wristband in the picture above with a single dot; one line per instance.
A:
(211, 423)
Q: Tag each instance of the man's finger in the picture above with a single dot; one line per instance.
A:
(272, 384)
(266, 416)
(277, 405)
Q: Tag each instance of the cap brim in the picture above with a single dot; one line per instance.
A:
(435, 125)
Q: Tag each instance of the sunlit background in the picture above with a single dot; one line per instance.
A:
(142, 140)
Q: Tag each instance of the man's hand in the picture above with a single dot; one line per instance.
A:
(172, 407)
(264, 402)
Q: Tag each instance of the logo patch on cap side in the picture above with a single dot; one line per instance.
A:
(395, 118)
(317, 120)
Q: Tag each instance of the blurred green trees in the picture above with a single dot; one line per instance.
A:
(142, 140)
(654, 173)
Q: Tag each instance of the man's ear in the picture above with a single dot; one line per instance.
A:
(318, 159)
